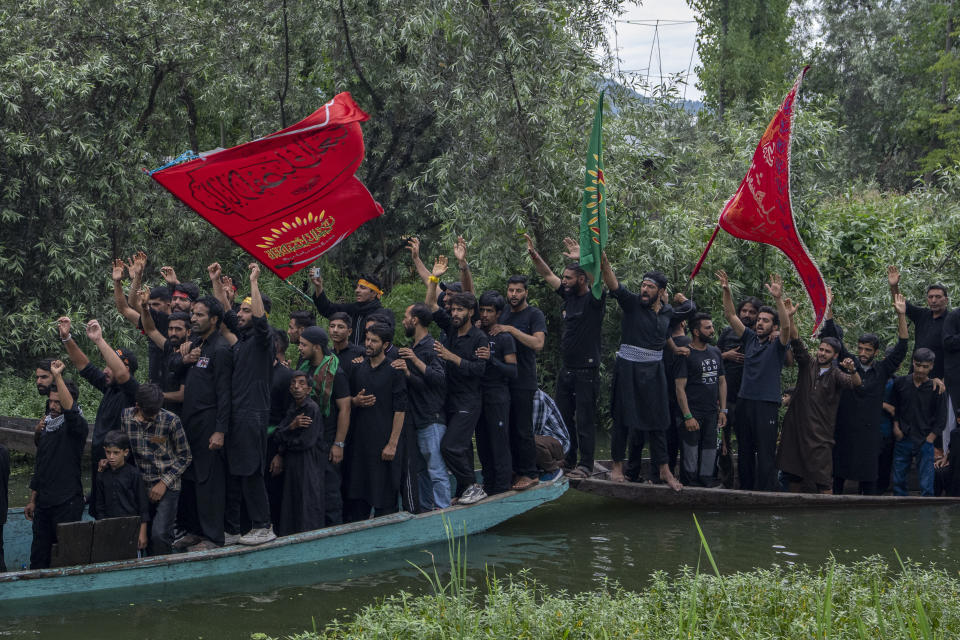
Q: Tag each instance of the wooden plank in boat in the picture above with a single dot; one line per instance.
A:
(74, 541)
(115, 539)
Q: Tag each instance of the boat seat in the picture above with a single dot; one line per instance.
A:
(95, 541)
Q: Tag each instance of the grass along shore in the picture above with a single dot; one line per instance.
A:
(866, 599)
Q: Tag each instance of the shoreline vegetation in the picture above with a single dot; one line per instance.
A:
(868, 599)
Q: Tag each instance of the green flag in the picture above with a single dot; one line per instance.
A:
(593, 217)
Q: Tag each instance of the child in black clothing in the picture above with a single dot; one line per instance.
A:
(120, 488)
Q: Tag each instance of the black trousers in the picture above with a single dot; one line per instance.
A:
(673, 439)
(249, 492)
(204, 503)
(45, 521)
(456, 447)
(274, 483)
(725, 468)
(410, 469)
(97, 454)
(356, 510)
(577, 400)
(493, 447)
(757, 428)
(698, 456)
(523, 448)
(884, 465)
(658, 453)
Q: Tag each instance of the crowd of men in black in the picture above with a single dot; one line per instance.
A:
(229, 444)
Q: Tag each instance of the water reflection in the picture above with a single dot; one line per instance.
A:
(578, 543)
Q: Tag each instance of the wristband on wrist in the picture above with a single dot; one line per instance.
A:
(724, 410)
(68, 338)
(433, 278)
(687, 416)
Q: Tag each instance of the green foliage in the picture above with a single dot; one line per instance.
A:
(859, 601)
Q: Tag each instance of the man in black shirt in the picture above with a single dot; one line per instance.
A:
(372, 467)
(528, 327)
(426, 394)
(731, 347)
(280, 401)
(178, 331)
(341, 328)
(927, 323)
(246, 446)
(464, 374)
(56, 492)
(920, 416)
(115, 382)
(578, 380)
(758, 403)
(701, 388)
(206, 420)
(299, 320)
(368, 291)
(639, 399)
(671, 361)
(493, 437)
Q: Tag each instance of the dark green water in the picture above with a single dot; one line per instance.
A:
(576, 543)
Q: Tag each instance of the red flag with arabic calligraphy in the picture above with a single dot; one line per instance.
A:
(760, 210)
(285, 198)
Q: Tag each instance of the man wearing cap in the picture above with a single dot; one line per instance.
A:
(331, 391)
(639, 400)
(368, 291)
(115, 381)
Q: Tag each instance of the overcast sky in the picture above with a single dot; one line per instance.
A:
(677, 41)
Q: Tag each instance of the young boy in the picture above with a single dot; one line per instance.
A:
(920, 416)
(120, 488)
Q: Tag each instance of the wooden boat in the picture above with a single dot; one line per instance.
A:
(660, 495)
(32, 589)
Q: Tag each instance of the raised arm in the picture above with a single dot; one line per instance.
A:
(413, 245)
(893, 279)
(66, 400)
(215, 271)
(606, 272)
(541, 266)
(149, 326)
(120, 372)
(256, 300)
(729, 311)
(775, 287)
(76, 355)
(433, 282)
(460, 253)
(116, 274)
(135, 267)
(900, 305)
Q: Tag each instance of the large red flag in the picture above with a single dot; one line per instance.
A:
(286, 198)
(760, 210)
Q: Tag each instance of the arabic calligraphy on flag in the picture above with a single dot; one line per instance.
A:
(288, 197)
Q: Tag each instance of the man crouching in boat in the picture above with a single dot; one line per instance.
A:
(56, 494)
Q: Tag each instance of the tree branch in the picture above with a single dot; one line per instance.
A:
(377, 102)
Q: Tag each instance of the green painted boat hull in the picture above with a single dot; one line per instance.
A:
(23, 590)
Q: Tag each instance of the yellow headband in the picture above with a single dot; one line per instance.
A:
(369, 285)
(249, 300)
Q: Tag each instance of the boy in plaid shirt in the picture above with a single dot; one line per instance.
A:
(161, 452)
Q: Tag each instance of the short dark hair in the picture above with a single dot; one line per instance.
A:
(343, 316)
(382, 331)
(303, 318)
(576, 268)
(160, 293)
(924, 355)
(267, 303)
(379, 317)
(116, 438)
(71, 388)
(149, 398)
(301, 374)
(871, 339)
(768, 309)
(179, 315)
(190, 289)
(422, 313)
(833, 342)
(940, 286)
(214, 307)
(518, 279)
(492, 299)
(697, 320)
(372, 279)
(45, 364)
(464, 299)
(751, 300)
(280, 341)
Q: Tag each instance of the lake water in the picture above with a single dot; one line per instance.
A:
(576, 543)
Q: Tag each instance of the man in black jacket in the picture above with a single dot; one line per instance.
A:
(56, 492)
(368, 291)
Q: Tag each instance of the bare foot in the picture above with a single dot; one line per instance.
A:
(667, 477)
(616, 473)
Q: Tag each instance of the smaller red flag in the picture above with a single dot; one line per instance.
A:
(286, 198)
(761, 211)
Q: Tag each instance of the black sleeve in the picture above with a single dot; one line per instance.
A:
(442, 319)
(95, 377)
(101, 505)
(893, 361)
(261, 333)
(223, 375)
(399, 391)
(686, 310)
(327, 308)
(231, 321)
(143, 502)
(951, 331)
(624, 297)
(341, 386)
(75, 423)
(800, 352)
(129, 389)
(475, 366)
(832, 330)
(303, 439)
(538, 322)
